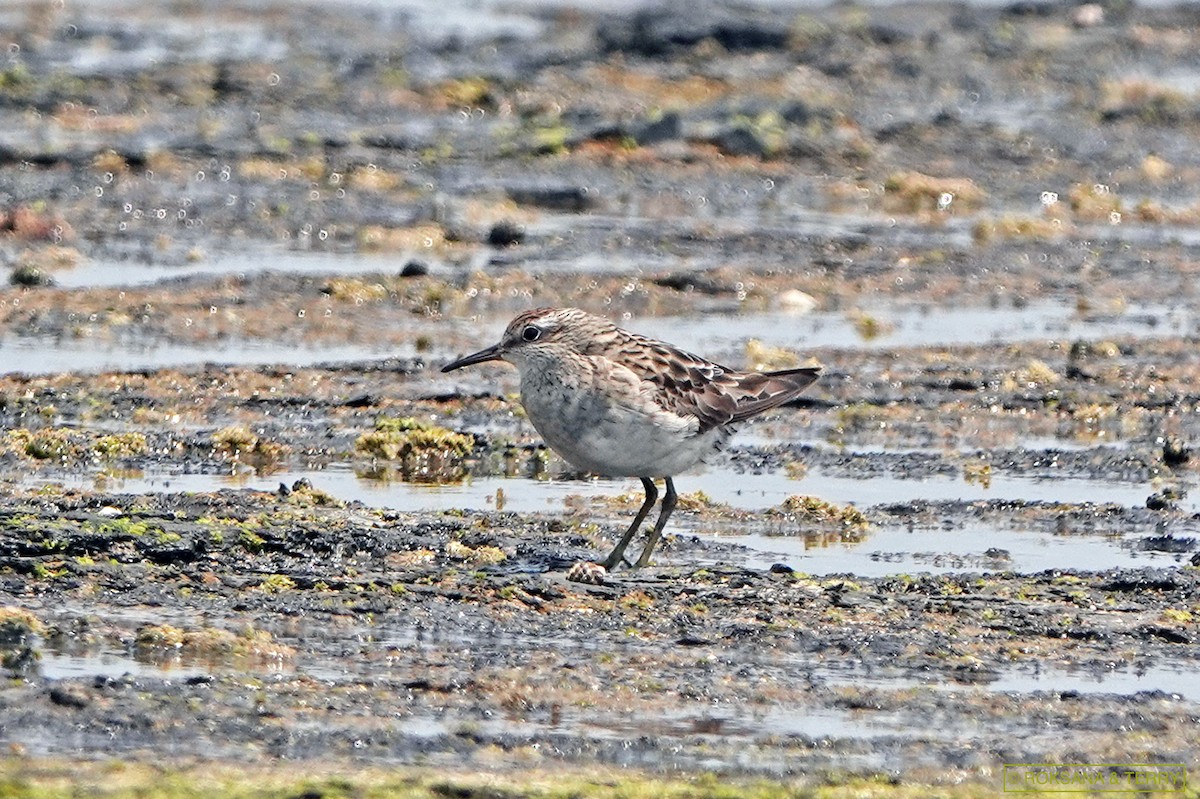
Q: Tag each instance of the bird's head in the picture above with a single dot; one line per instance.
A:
(538, 334)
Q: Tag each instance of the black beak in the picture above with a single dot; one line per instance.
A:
(493, 353)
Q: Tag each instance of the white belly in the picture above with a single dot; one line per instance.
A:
(615, 436)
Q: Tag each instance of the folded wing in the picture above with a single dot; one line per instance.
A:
(689, 385)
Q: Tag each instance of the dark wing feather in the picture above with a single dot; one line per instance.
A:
(761, 391)
(689, 385)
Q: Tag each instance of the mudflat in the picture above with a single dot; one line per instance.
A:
(246, 521)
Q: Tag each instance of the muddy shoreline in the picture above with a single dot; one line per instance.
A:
(239, 245)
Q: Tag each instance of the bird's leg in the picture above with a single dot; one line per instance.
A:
(618, 553)
(668, 505)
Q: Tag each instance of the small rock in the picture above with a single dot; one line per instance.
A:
(795, 301)
(739, 140)
(20, 660)
(1168, 634)
(798, 113)
(568, 199)
(1167, 543)
(29, 275)
(506, 234)
(668, 127)
(1175, 452)
(69, 696)
(1088, 15)
(693, 281)
(693, 640)
(1160, 501)
(415, 268)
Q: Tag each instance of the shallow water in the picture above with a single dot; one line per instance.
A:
(99, 273)
(719, 336)
(891, 551)
(1179, 679)
(56, 665)
(722, 485)
(34, 356)
(916, 326)
(888, 550)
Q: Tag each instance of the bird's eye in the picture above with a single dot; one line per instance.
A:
(531, 333)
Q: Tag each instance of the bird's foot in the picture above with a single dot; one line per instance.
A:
(611, 565)
(587, 572)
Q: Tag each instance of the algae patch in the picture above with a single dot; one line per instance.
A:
(423, 452)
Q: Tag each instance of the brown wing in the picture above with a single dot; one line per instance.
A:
(761, 391)
(689, 385)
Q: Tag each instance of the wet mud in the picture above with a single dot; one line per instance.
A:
(243, 517)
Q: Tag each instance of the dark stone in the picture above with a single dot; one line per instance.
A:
(655, 32)
(1168, 634)
(751, 35)
(668, 127)
(887, 34)
(415, 268)
(1167, 543)
(506, 233)
(1159, 501)
(183, 551)
(572, 199)
(67, 696)
(1175, 452)
(1032, 8)
(693, 281)
(798, 113)
(27, 275)
(739, 140)
(1142, 580)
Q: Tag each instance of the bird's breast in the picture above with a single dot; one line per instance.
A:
(601, 418)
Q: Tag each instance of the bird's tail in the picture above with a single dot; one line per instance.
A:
(762, 391)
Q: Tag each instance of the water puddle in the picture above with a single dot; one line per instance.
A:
(58, 665)
(35, 356)
(1182, 679)
(113, 274)
(892, 549)
(915, 326)
(970, 548)
(719, 336)
(721, 485)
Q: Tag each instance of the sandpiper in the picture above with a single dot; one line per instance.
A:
(620, 404)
